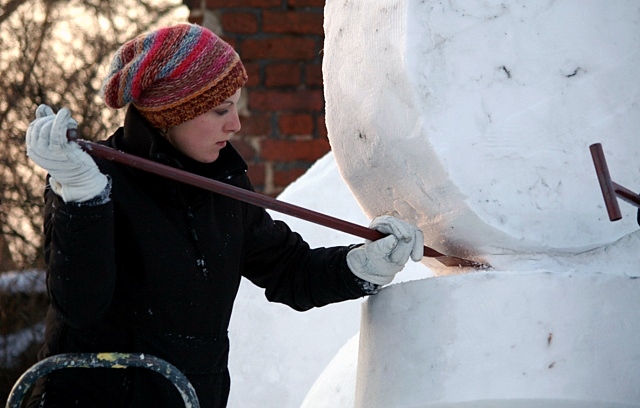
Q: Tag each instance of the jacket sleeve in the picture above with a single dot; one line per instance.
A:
(291, 272)
(79, 253)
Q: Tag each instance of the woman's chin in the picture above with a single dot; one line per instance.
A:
(211, 158)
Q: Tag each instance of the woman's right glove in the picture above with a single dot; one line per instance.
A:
(379, 261)
(74, 175)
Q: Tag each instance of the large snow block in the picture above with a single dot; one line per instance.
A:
(494, 339)
(473, 119)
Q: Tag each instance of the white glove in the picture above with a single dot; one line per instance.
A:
(74, 175)
(379, 261)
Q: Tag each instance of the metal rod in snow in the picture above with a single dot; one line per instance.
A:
(610, 189)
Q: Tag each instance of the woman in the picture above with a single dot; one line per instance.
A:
(139, 263)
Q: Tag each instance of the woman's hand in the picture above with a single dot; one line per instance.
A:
(379, 261)
(74, 175)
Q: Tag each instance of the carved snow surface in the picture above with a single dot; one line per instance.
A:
(473, 119)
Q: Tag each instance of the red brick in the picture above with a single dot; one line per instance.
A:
(321, 125)
(195, 18)
(253, 72)
(218, 4)
(306, 3)
(314, 75)
(258, 124)
(231, 40)
(241, 23)
(245, 149)
(282, 75)
(282, 178)
(290, 150)
(257, 174)
(295, 124)
(307, 100)
(290, 48)
(274, 192)
(293, 22)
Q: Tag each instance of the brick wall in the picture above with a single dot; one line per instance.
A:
(282, 108)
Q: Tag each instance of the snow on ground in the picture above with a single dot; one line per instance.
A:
(13, 344)
(23, 281)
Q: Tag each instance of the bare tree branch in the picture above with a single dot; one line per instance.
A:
(56, 52)
(9, 8)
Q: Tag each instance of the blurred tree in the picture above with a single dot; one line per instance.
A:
(54, 52)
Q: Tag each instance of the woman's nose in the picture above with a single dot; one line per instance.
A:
(234, 125)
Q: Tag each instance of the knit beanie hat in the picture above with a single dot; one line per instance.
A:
(173, 74)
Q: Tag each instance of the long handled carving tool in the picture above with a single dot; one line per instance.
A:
(251, 197)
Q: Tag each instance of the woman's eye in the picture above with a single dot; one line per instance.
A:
(222, 112)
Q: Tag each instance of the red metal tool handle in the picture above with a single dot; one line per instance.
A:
(610, 189)
(606, 185)
(247, 196)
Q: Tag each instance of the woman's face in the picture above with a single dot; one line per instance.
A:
(202, 137)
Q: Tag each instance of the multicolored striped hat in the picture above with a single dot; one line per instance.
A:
(173, 74)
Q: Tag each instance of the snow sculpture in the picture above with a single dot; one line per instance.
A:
(502, 340)
(473, 119)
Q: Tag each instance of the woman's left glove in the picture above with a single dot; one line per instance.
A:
(379, 261)
(74, 175)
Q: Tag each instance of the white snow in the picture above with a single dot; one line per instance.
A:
(13, 344)
(500, 336)
(474, 119)
(22, 281)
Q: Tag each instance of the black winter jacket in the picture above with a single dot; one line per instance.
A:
(156, 269)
